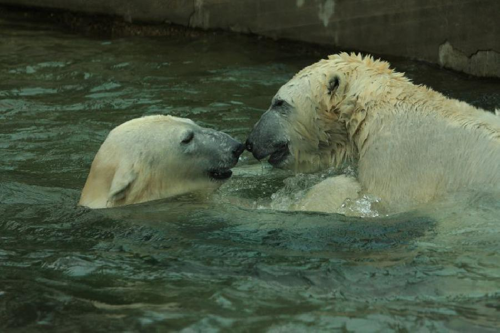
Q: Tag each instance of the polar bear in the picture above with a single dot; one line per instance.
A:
(410, 144)
(156, 157)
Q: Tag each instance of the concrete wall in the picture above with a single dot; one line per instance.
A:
(460, 34)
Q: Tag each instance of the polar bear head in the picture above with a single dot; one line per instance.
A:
(156, 157)
(314, 120)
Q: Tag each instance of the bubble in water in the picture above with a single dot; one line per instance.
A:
(362, 207)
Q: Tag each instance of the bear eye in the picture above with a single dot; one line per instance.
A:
(188, 138)
(278, 103)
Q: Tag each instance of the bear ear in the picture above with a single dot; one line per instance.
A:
(333, 84)
(120, 186)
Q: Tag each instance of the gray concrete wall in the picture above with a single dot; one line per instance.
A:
(460, 34)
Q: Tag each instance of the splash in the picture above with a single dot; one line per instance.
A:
(362, 207)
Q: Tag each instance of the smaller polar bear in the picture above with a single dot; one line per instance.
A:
(157, 157)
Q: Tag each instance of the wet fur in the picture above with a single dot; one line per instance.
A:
(411, 144)
(137, 163)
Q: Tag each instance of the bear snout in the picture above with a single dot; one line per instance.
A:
(238, 149)
(249, 145)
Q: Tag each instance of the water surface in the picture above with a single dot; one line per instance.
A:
(205, 266)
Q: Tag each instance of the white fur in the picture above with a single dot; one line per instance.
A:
(138, 162)
(321, 197)
(411, 144)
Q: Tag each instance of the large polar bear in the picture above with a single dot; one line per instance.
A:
(156, 157)
(410, 144)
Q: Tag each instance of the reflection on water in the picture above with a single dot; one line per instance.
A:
(186, 264)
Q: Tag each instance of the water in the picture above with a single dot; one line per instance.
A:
(233, 265)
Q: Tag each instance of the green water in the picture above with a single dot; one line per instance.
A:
(211, 266)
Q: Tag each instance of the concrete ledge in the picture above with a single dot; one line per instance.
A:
(459, 34)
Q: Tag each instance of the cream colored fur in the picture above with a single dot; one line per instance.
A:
(330, 195)
(136, 163)
(411, 144)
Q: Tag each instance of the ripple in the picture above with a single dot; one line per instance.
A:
(236, 262)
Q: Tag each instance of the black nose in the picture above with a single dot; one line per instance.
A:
(238, 150)
(249, 146)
